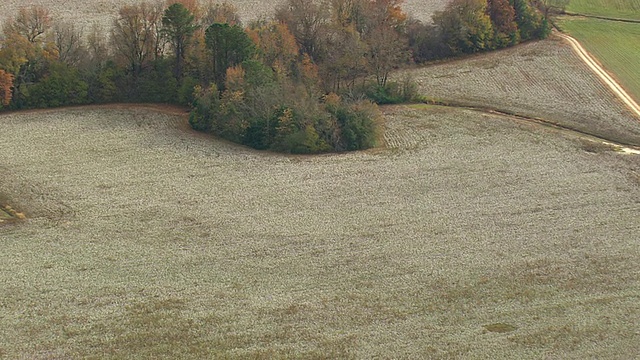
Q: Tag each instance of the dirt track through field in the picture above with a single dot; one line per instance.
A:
(603, 75)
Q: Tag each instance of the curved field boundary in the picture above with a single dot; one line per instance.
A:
(624, 147)
(601, 17)
(602, 74)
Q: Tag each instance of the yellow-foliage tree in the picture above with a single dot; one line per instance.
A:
(235, 78)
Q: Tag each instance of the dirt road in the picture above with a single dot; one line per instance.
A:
(602, 74)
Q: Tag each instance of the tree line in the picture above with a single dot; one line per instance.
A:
(306, 81)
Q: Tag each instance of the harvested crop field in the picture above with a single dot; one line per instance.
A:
(101, 12)
(543, 79)
(469, 235)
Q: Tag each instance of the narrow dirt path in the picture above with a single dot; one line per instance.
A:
(603, 75)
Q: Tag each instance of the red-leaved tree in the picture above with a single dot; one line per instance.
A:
(503, 17)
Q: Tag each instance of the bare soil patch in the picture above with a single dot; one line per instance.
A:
(145, 241)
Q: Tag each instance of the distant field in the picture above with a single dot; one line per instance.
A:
(544, 79)
(626, 9)
(615, 44)
(100, 12)
(469, 236)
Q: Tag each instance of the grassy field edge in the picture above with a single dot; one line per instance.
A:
(627, 9)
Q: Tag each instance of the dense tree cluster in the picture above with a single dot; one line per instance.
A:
(469, 26)
(297, 83)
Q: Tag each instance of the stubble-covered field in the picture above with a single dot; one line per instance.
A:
(543, 79)
(466, 236)
(146, 240)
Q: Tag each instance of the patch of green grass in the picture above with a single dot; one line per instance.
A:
(626, 9)
(4, 215)
(421, 106)
(615, 44)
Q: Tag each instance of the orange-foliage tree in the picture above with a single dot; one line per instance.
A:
(276, 47)
(6, 87)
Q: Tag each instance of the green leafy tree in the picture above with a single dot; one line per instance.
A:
(156, 84)
(466, 27)
(205, 109)
(257, 74)
(532, 24)
(178, 24)
(359, 123)
(229, 46)
(102, 83)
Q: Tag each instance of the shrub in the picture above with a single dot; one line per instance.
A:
(102, 84)
(61, 86)
(157, 84)
(186, 90)
(359, 124)
(392, 92)
(205, 108)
